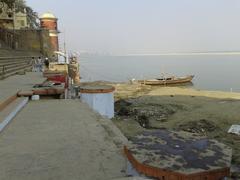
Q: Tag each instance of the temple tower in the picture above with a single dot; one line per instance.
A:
(49, 21)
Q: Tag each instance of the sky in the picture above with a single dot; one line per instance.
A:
(146, 26)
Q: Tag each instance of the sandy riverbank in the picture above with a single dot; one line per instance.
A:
(208, 113)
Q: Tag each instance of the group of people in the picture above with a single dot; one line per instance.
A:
(39, 64)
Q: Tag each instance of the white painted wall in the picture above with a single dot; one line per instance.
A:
(101, 103)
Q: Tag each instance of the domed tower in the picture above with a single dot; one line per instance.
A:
(49, 21)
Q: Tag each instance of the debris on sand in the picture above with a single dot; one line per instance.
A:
(121, 107)
(208, 114)
(201, 126)
(145, 113)
(235, 129)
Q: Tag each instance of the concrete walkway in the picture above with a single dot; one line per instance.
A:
(11, 85)
(60, 140)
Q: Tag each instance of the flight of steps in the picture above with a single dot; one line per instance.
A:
(13, 62)
(4, 52)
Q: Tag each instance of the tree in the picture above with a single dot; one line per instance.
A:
(21, 6)
(8, 2)
(32, 18)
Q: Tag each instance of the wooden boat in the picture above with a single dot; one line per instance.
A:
(167, 80)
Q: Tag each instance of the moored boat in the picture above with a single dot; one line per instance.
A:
(167, 80)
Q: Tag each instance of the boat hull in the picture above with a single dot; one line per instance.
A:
(166, 81)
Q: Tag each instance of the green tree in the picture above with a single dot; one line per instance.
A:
(21, 6)
(32, 16)
(8, 2)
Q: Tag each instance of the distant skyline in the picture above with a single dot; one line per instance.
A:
(146, 27)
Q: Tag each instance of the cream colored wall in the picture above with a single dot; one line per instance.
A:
(21, 21)
(6, 18)
(6, 24)
(7, 21)
(6, 14)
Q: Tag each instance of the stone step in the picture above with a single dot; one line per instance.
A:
(12, 53)
(9, 112)
(13, 60)
(9, 66)
(15, 70)
(20, 66)
(6, 60)
(15, 63)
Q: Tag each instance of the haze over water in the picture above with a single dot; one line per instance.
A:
(152, 27)
(146, 27)
(212, 72)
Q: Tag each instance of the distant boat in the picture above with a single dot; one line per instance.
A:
(167, 80)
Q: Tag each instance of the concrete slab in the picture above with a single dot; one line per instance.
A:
(10, 108)
(178, 154)
(60, 139)
(11, 85)
(8, 114)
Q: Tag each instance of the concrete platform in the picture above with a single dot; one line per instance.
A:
(10, 108)
(179, 155)
(46, 141)
(11, 85)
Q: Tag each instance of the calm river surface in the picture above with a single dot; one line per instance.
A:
(212, 72)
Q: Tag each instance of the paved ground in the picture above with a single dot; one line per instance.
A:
(11, 85)
(47, 142)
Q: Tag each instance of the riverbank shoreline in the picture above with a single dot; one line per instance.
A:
(139, 108)
(209, 113)
(128, 90)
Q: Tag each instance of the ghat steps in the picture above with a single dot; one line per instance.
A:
(13, 62)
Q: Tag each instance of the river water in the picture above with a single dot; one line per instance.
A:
(212, 72)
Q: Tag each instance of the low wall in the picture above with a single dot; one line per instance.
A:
(6, 37)
(27, 39)
(101, 103)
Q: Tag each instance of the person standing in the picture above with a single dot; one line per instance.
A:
(46, 62)
(33, 63)
(39, 64)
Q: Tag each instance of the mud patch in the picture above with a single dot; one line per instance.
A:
(122, 108)
(146, 113)
(201, 126)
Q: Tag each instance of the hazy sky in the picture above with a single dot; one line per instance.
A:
(146, 26)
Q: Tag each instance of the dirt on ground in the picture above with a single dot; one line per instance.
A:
(206, 113)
